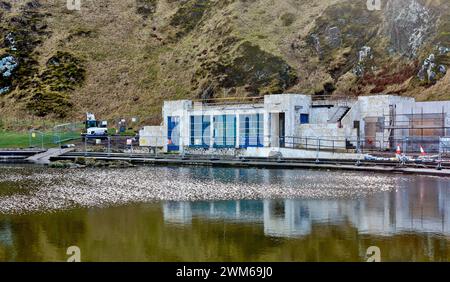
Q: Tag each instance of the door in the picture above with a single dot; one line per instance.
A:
(173, 134)
(282, 130)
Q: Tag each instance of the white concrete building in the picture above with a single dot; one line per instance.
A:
(296, 122)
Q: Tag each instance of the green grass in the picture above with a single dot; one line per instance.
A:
(10, 139)
(14, 139)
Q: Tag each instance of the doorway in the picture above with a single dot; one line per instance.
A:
(277, 130)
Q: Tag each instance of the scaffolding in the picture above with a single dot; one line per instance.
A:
(409, 130)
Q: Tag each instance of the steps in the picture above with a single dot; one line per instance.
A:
(44, 158)
(339, 114)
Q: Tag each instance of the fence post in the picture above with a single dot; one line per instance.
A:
(156, 147)
(109, 146)
(318, 150)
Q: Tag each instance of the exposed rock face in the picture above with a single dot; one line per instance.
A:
(443, 50)
(409, 24)
(430, 71)
(333, 36)
(340, 33)
(42, 91)
(7, 66)
(364, 55)
(126, 57)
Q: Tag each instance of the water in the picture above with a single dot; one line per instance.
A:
(221, 214)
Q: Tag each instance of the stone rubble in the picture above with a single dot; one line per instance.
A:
(45, 189)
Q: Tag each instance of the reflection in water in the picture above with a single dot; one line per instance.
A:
(413, 209)
(406, 216)
(35, 190)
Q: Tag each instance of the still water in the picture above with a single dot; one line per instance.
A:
(221, 214)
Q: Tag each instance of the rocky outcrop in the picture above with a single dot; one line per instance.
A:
(43, 90)
(140, 52)
(430, 71)
(409, 24)
(365, 54)
(340, 33)
(257, 71)
(7, 66)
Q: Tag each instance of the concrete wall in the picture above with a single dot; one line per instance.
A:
(330, 135)
(179, 109)
(152, 136)
(373, 107)
(320, 115)
(292, 105)
(302, 154)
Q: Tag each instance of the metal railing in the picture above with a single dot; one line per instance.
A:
(57, 136)
(154, 144)
(330, 145)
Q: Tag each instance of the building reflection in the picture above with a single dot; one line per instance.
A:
(418, 208)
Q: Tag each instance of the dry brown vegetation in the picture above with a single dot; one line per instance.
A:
(138, 53)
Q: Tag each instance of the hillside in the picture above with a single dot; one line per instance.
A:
(123, 58)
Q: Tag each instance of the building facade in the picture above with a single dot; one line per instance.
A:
(296, 121)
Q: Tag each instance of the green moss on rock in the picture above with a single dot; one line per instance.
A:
(44, 103)
(64, 72)
(189, 15)
(259, 72)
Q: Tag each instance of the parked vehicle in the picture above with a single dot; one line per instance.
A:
(94, 128)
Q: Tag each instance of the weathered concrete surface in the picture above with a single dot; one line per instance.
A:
(44, 158)
(152, 136)
(269, 164)
(300, 154)
(14, 156)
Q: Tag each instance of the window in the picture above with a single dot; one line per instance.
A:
(251, 130)
(200, 131)
(304, 118)
(225, 131)
(91, 123)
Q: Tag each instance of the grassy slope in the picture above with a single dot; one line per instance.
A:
(134, 62)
